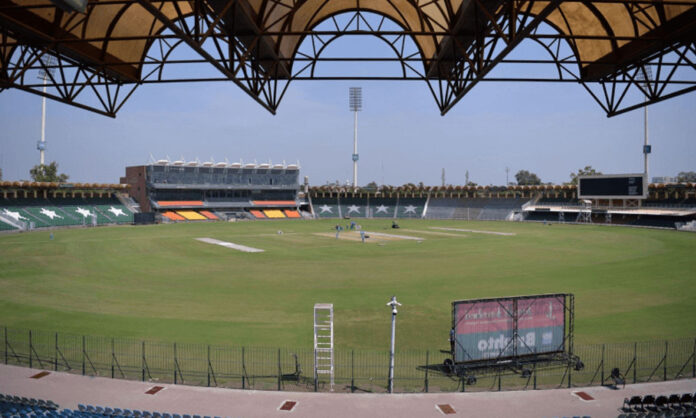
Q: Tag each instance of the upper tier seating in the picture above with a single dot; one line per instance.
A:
(273, 202)
(170, 203)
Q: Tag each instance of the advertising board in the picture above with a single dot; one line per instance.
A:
(485, 328)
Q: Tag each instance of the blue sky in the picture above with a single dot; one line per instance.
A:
(549, 129)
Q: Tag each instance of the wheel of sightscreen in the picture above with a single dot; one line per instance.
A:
(448, 365)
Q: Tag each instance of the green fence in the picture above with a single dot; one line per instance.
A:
(267, 368)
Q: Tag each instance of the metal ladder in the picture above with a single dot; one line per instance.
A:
(323, 341)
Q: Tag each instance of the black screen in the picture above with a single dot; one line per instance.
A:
(612, 186)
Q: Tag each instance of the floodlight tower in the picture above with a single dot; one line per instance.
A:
(644, 79)
(44, 74)
(355, 104)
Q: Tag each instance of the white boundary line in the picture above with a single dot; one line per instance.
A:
(382, 234)
(508, 234)
(230, 245)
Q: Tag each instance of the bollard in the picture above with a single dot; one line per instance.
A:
(352, 372)
(635, 362)
(427, 361)
(664, 363)
(112, 358)
(280, 372)
(83, 355)
(142, 364)
(31, 349)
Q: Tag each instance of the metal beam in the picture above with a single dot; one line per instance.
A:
(513, 42)
(202, 52)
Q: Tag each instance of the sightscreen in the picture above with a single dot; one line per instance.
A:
(484, 328)
(623, 186)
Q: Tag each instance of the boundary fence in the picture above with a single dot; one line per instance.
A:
(265, 368)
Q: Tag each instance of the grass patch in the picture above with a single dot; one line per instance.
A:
(158, 282)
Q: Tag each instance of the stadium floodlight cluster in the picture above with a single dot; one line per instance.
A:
(224, 164)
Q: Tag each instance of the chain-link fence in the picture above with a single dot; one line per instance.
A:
(265, 368)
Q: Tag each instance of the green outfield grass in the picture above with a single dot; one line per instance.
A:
(157, 282)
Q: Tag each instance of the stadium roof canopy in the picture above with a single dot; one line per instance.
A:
(94, 53)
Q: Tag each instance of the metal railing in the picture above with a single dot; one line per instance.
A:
(265, 368)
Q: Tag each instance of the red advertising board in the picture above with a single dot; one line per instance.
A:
(485, 328)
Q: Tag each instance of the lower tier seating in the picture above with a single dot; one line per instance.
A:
(56, 212)
(22, 407)
(210, 215)
(191, 215)
(257, 214)
(274, 213)
(291, 213)
(173, 216)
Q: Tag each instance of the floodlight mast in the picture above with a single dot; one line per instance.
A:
(355, 104)
(44, 74)
(645, 79)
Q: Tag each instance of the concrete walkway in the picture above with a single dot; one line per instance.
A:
(69, 390)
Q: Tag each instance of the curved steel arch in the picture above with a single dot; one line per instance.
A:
(345, 31)
(101, 56)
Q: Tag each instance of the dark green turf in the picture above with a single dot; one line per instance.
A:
(157, 282)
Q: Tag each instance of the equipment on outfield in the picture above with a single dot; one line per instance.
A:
(393, 303)
(323, 341)
(511, 333)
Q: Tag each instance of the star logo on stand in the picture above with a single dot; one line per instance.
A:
(116, 212)
(84, 212)
(50, 213)
(325, 208)
(381, 209)
(14, 215)
(410, 209)
(353, 208)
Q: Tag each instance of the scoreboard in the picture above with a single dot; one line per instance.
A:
(613, 186)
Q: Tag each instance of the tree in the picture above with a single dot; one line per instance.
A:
(587, 171)
(525, 178)
(47, 173)
(371, 186)
(686, 177)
